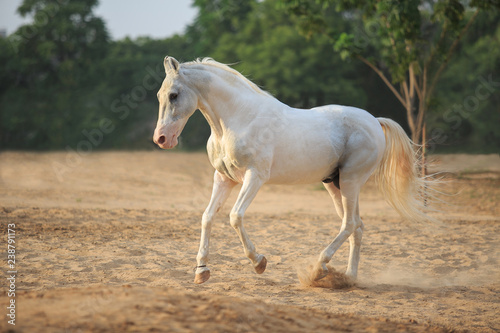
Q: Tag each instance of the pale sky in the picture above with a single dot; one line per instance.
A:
(154, 18)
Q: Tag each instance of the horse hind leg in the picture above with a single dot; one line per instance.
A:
(355, 248)
(334, 191)
(355, 239)
(348, 197)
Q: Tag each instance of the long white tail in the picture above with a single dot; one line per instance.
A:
(398, 173)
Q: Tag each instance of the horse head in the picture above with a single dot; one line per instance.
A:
(177, 103)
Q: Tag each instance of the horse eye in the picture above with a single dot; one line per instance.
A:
(172, 97)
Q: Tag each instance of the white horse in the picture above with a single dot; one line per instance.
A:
(255, 139)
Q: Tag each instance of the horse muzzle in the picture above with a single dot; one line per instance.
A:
(166, 137)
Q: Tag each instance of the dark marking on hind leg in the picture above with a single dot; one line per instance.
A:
(333, 177)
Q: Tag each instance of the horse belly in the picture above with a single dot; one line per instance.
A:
(309, 161)
(294, 176)
(310, 146)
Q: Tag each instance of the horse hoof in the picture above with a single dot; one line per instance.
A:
(202, 277)
(320, 272)
(261, 267)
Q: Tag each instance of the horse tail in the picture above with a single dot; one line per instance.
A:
(398, 176)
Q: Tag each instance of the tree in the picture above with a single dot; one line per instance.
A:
(62, 78)
(298, 72)
(466, 105)
(217, 17)
(63, 40)
(408, 44)
(50, 72)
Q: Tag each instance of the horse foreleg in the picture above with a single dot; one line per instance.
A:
(221, 189)
(251, 185)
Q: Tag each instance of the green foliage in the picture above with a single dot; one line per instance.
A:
(53, 63)
(215, 18)
(298, 71)
(65, 85)
(467, 102)
(409, 44)
(383, 30)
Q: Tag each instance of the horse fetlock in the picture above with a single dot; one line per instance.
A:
(352, 274)
(202, 275)
(319, 271)
(261, 264)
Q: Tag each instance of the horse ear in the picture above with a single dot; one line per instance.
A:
(171, 64)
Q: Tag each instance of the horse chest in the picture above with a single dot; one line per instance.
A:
(228, 158)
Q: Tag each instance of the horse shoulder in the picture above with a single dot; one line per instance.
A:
(229, 156)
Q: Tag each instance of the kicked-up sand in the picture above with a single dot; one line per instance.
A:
(107, 243)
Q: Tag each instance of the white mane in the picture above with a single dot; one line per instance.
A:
(227, 68)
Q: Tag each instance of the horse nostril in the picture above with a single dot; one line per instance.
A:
(161, 140)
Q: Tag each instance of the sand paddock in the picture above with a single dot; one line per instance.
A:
(107, 243)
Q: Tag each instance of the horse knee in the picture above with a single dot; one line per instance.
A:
(353, 225)
(361, 225)
(349, 226)
(206, 220)
(358, 235)
(235, 219)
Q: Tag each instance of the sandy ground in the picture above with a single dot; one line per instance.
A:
(107, 243)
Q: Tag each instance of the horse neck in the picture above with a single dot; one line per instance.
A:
(225, 100)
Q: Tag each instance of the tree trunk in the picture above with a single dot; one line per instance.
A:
(414, 108)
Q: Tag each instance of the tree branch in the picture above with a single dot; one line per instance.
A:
(407, 92)
(384, 78)
(411, 74)
(409, 106)
(424, 85)
(417, 89)
(420, 120)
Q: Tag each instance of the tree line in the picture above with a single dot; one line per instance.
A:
(65, 84)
